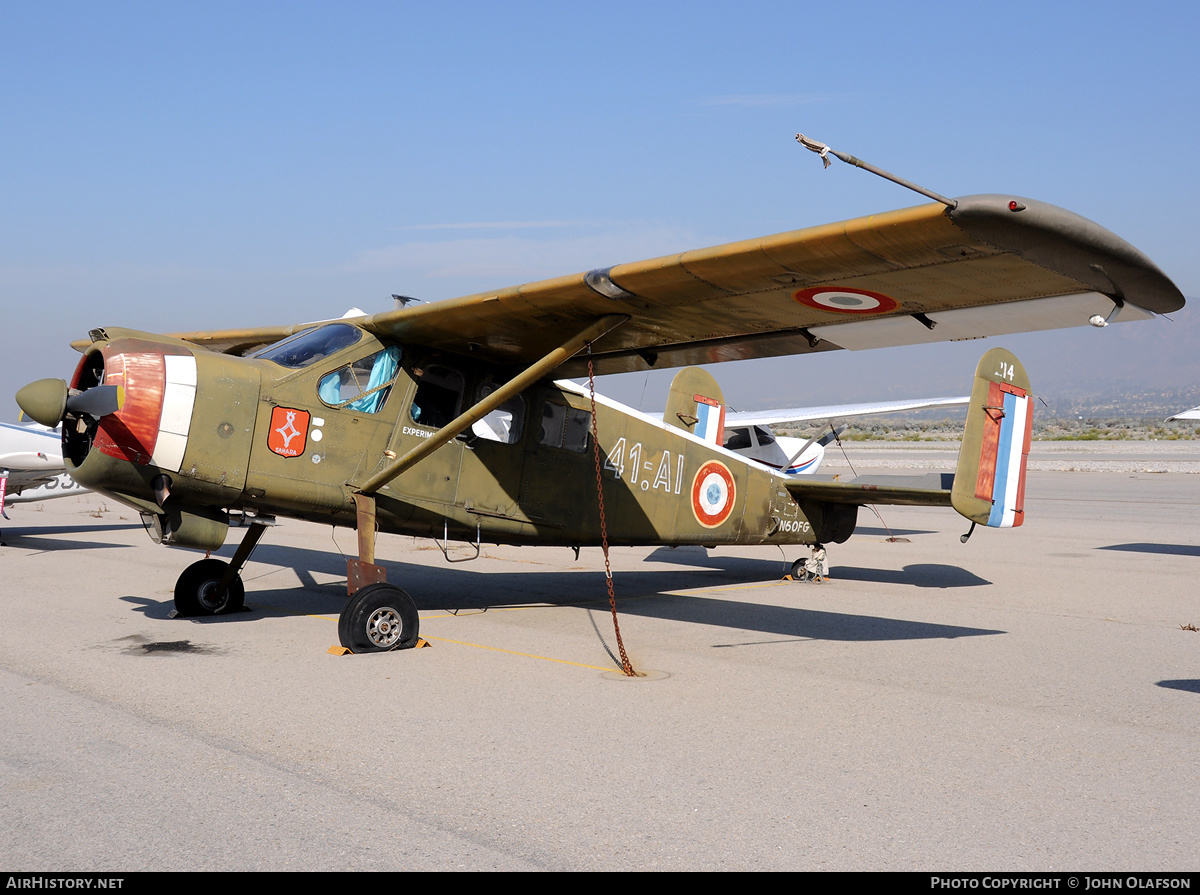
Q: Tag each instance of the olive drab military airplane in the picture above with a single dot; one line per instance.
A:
(443, 420)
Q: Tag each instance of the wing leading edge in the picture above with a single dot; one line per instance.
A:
(990, 265)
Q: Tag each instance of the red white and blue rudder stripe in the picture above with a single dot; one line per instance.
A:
(1002, 460)
(989, 481)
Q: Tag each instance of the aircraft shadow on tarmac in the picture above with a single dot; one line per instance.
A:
(648, 593)
(1190, 685)
(1172, 549)
(73, 529)
(916, 575)
(40, 543)
(891, 532)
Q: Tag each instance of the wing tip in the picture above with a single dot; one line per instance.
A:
(1069, 244)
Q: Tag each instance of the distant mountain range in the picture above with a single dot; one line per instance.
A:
(1136, 369)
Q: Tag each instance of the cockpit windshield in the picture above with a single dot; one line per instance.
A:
(310, 346)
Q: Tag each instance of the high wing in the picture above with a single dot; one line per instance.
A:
(835, 411)
(987, 265)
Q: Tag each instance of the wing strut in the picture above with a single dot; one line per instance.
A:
(514, 386)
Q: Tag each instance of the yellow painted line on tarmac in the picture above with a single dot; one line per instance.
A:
(467, 613)
(511, 652)
(723, 588)
(494, 649)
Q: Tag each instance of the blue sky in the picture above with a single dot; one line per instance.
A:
(179, 166)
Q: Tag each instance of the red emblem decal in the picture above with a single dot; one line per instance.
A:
(846, 301)
(713, 494)
(289, 431)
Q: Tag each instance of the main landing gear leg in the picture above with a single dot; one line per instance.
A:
(214, 587)
(379, 616)
(363, 571)
(812, 568)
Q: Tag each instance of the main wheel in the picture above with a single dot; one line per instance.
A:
(378, 618)
(196, 590)
(799, 570)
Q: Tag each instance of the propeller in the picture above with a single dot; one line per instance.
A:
(47, 401)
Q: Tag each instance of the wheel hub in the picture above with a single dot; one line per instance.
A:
(209, 597)
(384, 627)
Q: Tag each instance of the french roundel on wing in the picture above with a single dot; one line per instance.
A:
(842, 300)
(713, 494)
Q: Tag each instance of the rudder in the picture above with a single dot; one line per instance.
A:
(989, 481)
(695, 404)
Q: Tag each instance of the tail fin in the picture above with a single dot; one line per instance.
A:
(989, 481)
(695, 404)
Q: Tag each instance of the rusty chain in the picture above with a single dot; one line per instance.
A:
(626, 665)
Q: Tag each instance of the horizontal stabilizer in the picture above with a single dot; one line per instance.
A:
(929, 490)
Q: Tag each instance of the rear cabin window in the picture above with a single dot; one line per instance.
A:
(504, 424)
(565, 427)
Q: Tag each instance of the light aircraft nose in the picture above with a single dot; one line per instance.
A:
(48, 400)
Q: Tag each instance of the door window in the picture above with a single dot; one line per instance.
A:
(438, 397)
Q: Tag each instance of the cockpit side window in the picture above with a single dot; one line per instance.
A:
(438, 397)
(364, 385)
(763, 435)
(736, 439)
(310, 346)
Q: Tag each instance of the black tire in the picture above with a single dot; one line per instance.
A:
(196, 590)
(380, 617)
(799, 573)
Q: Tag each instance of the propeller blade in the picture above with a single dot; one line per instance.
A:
(99, 401)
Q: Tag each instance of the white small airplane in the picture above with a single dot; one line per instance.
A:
(31, 465)
(1193, 414)
(747, 431)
